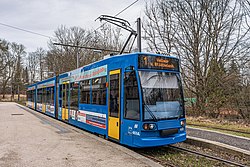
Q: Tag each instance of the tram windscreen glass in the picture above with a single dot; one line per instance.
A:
(158, 62)
(162, 95)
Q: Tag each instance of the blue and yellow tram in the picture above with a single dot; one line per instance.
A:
(31, 96)
(134, 99)
(46, 96)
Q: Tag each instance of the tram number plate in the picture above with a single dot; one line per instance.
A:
(168, 132)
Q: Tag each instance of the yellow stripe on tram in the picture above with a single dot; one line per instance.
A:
(65, 82)
(114, 72)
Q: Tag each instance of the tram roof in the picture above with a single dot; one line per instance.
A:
(111, 58)
(101, 62)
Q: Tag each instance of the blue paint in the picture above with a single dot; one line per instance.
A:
(131, 131)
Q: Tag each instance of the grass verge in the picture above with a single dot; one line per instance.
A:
(176, 158)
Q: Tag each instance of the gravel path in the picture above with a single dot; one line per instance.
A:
(222, 138)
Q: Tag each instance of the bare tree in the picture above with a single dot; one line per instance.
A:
(33, 66)
(110, 37)
(64, 58)
(11, 71)
(201, 33)
(3, 53)
(41, 54)
(18, 51)
(4, 63)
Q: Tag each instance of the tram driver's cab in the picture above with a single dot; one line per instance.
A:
(153, 104)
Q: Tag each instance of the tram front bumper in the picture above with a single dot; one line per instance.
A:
(159, 141)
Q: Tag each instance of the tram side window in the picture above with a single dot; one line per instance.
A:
(39, 95)
(65, 95)
(99, 91)
(44, 96)
(85, 92)
(114, 95)
(60, 95)
(50, 95)
(33, 95)
(47, 95)
(28, 96)
(131, 96)
(74, 96)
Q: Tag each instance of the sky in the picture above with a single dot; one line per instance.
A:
(45, 16)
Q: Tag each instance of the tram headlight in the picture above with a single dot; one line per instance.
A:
(148, 126)
(183, 123)
(151, 126)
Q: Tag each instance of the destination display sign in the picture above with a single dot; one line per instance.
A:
(158, 63)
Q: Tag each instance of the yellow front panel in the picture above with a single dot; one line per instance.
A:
(66, 114)
(43, 108)
(114, 128)
(63, 113)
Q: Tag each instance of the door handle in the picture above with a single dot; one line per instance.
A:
(116, 123)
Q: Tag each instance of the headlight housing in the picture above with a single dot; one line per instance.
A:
(149, 126)
(183, 123)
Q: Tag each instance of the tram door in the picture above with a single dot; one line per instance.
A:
(114, 105)
(65, 101)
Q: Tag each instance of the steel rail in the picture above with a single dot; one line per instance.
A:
(207, 156)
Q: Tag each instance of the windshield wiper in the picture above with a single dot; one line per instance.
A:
(150, 112)
(148, 79)
(153, 76)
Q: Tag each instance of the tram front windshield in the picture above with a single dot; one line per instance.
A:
(162, 98)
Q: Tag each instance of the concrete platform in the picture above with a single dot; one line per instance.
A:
(228, 139)
(31, 139)
(218, 140)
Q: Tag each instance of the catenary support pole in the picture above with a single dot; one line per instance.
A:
(139, 34)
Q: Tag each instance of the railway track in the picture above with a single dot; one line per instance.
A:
(207, 156)
(162, 162)
(172, 163)
(230, 130)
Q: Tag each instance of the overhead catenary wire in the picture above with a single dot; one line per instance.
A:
(127, 7)
(118, 13)
(46, 36)
(28, 31)
(87, 47)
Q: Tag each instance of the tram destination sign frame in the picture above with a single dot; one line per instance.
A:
(158, 62)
